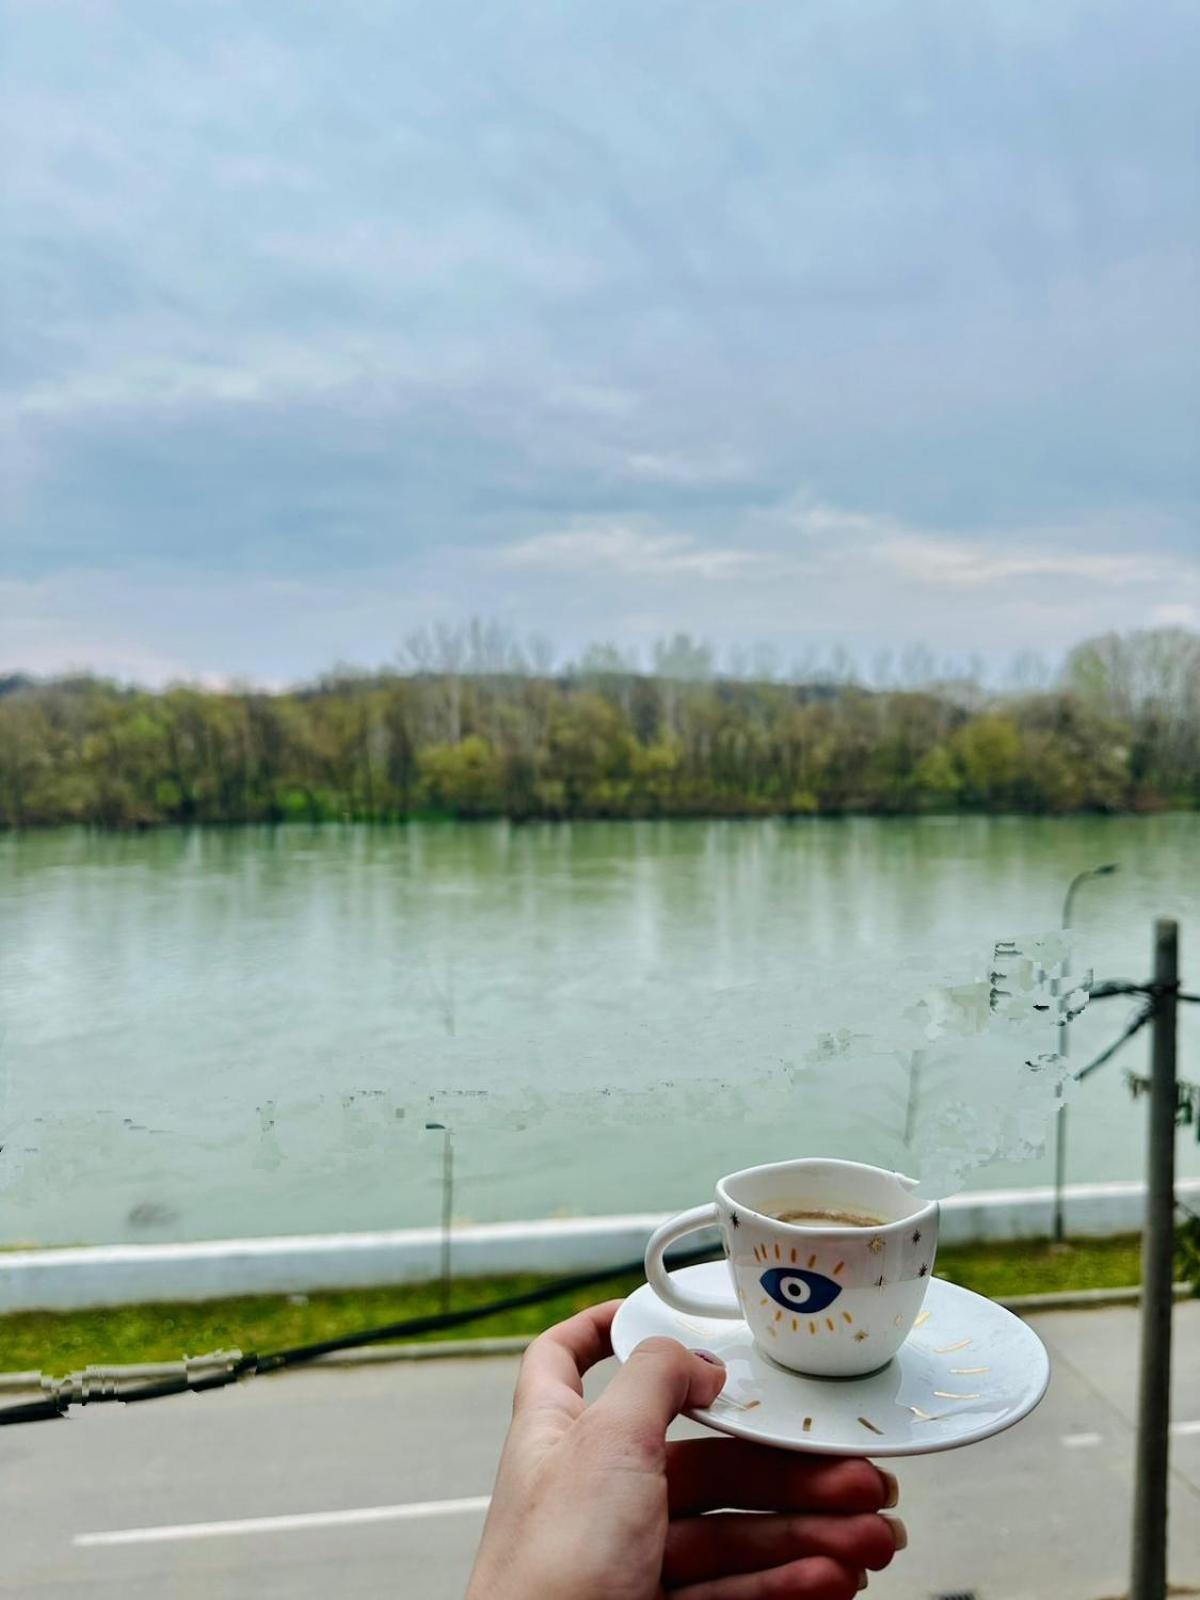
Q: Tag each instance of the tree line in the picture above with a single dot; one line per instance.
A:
(486, 736)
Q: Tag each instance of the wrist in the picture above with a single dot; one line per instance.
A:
(508, 1581)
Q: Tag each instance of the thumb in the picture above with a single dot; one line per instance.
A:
(659, 1380)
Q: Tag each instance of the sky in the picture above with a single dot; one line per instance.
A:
(818, 326)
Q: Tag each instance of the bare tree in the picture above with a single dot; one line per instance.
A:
(764, 662)
(541, 654)
(681, 657)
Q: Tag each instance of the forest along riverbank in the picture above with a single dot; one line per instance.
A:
(475, 729)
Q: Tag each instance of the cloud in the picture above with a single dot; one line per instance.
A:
(52, 627)
(260, 373)
(627, 552)
(799, 576)
(719, 467)
(505, 329)
(1176, 616)
(966, 563)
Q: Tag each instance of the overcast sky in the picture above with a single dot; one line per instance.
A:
(812, 323)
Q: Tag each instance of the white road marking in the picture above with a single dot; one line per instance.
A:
(289, 1524)
(1087, 1441)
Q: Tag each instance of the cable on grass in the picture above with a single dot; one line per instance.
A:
(198, 1377)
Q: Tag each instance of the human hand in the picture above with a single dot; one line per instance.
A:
(592, 1503)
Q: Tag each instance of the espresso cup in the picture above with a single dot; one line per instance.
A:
(830, 1300)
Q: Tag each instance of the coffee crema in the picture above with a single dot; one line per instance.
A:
(828, 1218)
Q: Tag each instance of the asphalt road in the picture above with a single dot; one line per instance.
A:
(370, 1482)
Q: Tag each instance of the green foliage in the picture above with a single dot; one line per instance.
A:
(1187, 1251)
(465, 779)
(604, 742)
(62, 1341)
(987, 752)
(938, 777)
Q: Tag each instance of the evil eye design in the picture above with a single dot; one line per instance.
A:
(795, 1290)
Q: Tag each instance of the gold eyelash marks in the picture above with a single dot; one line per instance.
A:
(923, 1416)
(922, 1319)
(944, 1394)
(738, 1405)
(948, 1349)
(838, 1268)
(847, 1318)
(806, 1425)
(867, 1423)
(963, 1372)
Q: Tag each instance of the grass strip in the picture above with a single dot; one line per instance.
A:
(57, 1342)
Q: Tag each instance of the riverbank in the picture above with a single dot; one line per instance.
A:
(57, 1342)
(596, 741)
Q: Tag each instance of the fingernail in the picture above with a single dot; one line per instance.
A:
(891, 1486)
(899, 1531)
(715, 1361)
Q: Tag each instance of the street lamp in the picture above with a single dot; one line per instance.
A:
(447, 1204)
(1060, 1130)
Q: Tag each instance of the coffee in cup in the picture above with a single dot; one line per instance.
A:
(813, 1217)
(828, 1261)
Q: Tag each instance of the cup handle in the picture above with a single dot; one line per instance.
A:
(663, 1282)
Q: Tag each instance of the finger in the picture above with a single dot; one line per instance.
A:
(659, 1380)
(732, 1542)
(553, 1366)
(720, 1475)
(817, 1578)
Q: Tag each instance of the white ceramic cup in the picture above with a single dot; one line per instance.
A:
(826, 1300)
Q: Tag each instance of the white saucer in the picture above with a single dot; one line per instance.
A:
(968, 1370)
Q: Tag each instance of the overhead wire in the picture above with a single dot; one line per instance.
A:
(196, 1377)
(199, 1376)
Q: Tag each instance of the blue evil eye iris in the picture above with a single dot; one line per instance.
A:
(800, 1291)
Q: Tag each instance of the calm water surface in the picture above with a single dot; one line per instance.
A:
(246, 1031)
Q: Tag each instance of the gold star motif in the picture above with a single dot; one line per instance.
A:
(861, 1335)
(875, 1246)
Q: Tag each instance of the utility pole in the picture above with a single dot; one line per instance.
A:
(1149, 1572)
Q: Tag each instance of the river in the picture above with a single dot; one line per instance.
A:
(246, 1031)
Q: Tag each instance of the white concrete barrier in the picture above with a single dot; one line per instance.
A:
(109, 1275)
